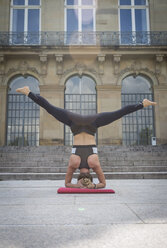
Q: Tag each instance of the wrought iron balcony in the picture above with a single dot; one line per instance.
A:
(83, 38)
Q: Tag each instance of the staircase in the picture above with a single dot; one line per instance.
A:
(50, 162)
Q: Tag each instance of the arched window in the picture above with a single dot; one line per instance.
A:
(80, 97)
(22, 114)
(138, 127)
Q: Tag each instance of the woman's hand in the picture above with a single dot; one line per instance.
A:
(80, 183)
(91, 186)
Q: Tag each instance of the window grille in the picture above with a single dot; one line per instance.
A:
(80, 97)
(22, 121)
(138, 127)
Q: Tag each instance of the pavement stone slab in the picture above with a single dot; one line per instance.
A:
(84, 236)
(33, 215)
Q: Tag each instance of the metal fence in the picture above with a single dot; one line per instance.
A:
(107, 38)
(138, 127)
(84, 104)
(22, 121)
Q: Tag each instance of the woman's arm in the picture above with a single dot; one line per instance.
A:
(101, 177)
(68, 179)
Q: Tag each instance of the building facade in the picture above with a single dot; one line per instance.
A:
(87, 56)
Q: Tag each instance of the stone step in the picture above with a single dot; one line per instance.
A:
(60, 163)
(119, 162)
(135, 163)
(34, 164)
(64, 169)
(33, 169)
(35, 156)
(57, 157)
(133, 154)
(61, 176)
(109, 147)
(101, 149)
(67, 149)
(33, 159)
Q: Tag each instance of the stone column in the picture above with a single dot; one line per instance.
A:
(3, 114)
(51, 130)
(109, 99)
(160, 96)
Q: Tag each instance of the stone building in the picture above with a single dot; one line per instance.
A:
(87, 56)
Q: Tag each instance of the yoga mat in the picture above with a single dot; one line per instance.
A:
(64, 190)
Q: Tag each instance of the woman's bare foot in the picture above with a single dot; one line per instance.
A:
(25, 90)
(147, 103)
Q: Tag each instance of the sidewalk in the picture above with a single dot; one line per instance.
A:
(33, 215)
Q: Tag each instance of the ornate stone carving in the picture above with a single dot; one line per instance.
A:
(22, 68)
(135, 67)
(80, 69)
(117, 59)
(59, 64)
(43, 60)
(101, 60)
(159, 59)
(132, 70)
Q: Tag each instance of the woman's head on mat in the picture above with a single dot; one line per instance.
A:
(86, 179)
(85, 175)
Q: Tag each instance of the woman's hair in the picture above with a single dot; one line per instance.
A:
(85, 175)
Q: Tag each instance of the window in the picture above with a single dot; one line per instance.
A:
(80, 97)
(22, 114)
(138, 127)
(80, 21)
(25, 21)
(134, 21)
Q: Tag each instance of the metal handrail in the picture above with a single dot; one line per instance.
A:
(106, 38)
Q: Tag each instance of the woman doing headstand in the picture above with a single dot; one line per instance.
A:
(84, 151)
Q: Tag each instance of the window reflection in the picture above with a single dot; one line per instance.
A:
(134, 24)
(80, 22)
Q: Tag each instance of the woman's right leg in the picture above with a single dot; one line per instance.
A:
(62, 115)
(106, 118)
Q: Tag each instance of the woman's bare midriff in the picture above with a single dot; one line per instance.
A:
(84, 139)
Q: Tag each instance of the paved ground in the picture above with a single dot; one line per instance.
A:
(32, 214)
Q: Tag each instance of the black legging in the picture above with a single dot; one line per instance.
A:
(72, 119)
